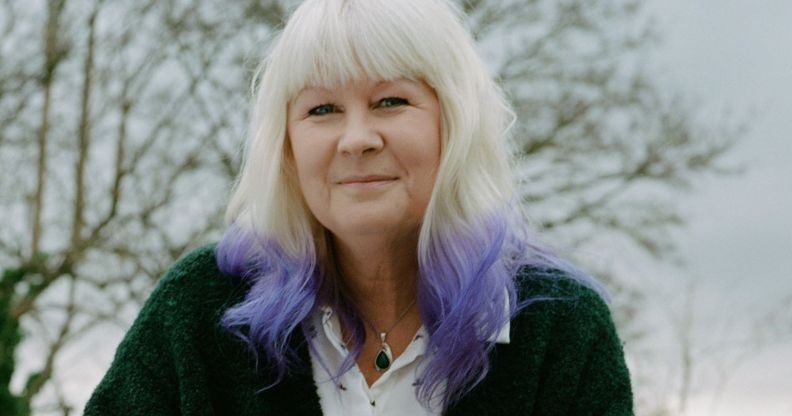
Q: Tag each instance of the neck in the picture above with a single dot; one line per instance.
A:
(381, 277)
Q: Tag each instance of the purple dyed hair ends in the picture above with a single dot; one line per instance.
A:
(282, 295)
(463, 288)
(465, 280)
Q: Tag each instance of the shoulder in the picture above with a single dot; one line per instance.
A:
(565, 346)
(199, 266)
(535, 284)
(177, 341)
(198, 270)
(194, 289)
(555, 302)
(185, 308)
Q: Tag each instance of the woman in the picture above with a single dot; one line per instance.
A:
(376, 260)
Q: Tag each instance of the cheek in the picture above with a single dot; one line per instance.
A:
(424, 158)
(303, 162)
(307, 152)
(310, 175)
(430, 149)
(308, 165)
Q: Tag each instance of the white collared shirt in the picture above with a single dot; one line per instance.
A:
(392, 394)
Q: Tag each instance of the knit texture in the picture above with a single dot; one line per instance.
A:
(564, 357)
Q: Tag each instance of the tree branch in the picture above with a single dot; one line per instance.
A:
(84, 135)
(37, 380)
(53, 56)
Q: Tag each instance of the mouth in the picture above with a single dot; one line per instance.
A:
(367, 180)
(367, 183)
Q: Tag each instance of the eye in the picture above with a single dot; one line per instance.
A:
(323, 109)
(392, 102)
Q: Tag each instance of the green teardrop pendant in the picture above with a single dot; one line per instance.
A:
(383, 361)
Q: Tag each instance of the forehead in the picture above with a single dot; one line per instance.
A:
(364, 84)
(329, 76)
(335, 52)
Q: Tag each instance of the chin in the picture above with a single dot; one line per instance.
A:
(373, 224)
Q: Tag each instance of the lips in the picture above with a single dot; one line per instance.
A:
(366, 179)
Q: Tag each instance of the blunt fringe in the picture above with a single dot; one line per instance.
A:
(473, 237)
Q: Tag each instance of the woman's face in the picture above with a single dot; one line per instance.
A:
(366, 154)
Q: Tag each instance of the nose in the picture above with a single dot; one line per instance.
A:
(359, 135)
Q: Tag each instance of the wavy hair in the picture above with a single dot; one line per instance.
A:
(473, 236)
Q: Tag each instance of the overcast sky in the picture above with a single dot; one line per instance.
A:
(737, 55)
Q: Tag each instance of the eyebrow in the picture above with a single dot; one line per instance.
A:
(378, 84)
(320, 90)
(310, 90)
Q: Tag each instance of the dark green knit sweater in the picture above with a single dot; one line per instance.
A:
(564, 357)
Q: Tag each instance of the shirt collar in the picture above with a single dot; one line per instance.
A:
(334, 331)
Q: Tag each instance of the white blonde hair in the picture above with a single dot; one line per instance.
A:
(330, 42)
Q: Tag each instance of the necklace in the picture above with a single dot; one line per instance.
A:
(384, 357)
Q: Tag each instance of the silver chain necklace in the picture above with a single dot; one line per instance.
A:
(384, 357)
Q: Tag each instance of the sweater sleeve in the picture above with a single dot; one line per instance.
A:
(596, 376)
(141, 377)
(580, 368)
(603, 388)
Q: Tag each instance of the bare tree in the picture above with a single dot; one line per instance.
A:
(712, 349)
(138, 111)
(592, 126)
